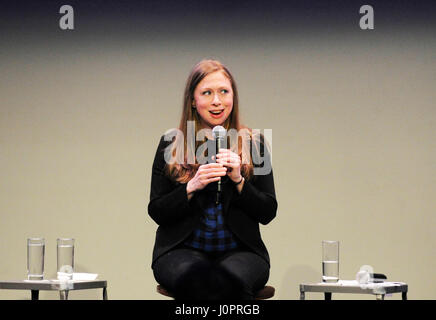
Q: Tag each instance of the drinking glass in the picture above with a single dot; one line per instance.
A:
(35, 258)
(65, 258)
(330, 261)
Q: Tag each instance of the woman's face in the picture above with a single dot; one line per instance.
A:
(213, 98)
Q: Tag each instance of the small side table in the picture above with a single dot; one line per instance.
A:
(54, 285)
(351, 286)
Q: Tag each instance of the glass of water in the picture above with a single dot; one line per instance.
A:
(65, 258)
(330, 261)
(35, 258)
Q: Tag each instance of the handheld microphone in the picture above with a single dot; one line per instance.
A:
(219, 133)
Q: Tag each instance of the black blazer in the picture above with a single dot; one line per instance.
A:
(177, 217)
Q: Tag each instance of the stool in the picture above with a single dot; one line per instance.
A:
(263, 294)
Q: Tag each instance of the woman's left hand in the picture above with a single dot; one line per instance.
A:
(230, 160)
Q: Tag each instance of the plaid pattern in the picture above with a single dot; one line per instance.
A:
(212, 235)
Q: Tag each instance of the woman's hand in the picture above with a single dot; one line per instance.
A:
(206, 174)
(232, 161)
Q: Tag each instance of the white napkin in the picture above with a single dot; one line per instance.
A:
(84, 276)
(363, 277)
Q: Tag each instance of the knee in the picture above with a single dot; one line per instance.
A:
(191, 281)
(227, 284)
(180, 269)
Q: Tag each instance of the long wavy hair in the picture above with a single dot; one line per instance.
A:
(183, 172)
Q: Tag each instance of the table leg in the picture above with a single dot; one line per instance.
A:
(63, 294)
(104, 293)
(404, 295)
(302, 296)
(327, 296)
(34, 294)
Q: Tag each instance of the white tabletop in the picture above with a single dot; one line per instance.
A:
(352, 286)
(53, 284)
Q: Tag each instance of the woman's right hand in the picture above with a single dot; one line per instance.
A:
(206, 174)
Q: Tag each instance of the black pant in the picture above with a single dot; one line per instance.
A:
(191, 274)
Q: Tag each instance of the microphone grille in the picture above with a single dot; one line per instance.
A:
(219, 132)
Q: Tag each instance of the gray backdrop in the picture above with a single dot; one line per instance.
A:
(352, 114)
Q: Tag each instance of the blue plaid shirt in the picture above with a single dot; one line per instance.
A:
(212, 234)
